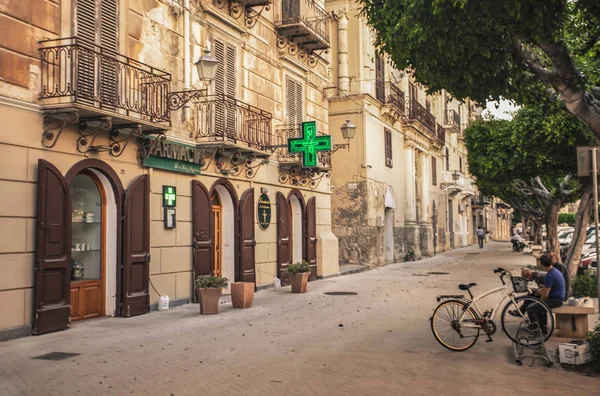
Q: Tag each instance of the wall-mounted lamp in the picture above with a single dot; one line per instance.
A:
(207, 69)
(348, 130)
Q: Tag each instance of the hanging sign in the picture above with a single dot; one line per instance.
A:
(172, 156)
(264, 211)
(309, 144)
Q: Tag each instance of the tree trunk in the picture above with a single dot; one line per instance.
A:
(581, 223)
(552, 226)
(537, 232)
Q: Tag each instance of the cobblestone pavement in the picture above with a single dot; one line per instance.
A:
(375, 343)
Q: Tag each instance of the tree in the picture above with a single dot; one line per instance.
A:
(528, 51)
(529, 162)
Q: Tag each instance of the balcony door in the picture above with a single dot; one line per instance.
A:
(225, 83)
(290, 9)
(97, 31)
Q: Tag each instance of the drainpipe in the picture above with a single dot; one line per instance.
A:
(343, 78)
(186, 55)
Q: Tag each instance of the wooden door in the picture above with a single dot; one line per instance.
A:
(53, 251)
(217, 235)
(202, 240)
(247, 242)
(284, 254)
(136, 248)
(310, 236)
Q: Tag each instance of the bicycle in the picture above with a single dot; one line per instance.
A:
(457, 321)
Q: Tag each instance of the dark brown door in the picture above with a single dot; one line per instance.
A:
(53, 251)
(310, 235)
(246, 235)
(201, 233)
(284, 254)
(136, 247)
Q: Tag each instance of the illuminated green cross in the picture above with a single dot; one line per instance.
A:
(169, 196)
(309, 144)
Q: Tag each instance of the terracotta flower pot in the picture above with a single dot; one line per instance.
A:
(299, 282)
(242, 294)
(209, 300)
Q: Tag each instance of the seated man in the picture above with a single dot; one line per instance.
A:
(538, 276)
(553, 292)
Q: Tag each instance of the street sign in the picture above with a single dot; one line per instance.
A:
(584, 160)
(309, 144)
(264, 211)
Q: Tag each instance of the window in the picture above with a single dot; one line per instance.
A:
(380, 79)
(447, 159)
(434, 170)
(294, 101)
(225, 81)
(388, 148)
(460, 164)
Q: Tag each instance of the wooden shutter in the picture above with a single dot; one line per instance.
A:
(202, 231)
(108, 40)
(246, 235)
(230, 84)
(460, 164)
(136, 247)
(434, 170)
(219, 53)
(85, 29)
(310, 229)
(388, 148)
(52, 276)
(447, 159)
(290, 9)
(284, 254)
(294, 102)
(380, 79)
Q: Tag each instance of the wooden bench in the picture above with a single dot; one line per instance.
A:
(572, 322)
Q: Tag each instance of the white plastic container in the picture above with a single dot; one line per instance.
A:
(163, 303)
(575, 352)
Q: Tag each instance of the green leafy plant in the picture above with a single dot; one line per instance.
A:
(568, 218)
(584, 285)
(299, 267)
(593, 337)
(210, 282)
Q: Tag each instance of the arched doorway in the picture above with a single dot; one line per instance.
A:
(224, 232)
(388, 234)
(297, 235)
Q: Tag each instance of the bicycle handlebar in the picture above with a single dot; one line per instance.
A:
(499, 269)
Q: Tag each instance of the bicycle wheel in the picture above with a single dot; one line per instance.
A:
(448, 331)
(513, 315)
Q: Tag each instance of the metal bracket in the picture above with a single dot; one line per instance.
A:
(252, 16)
(296, 175)
(311, 58)
(179, 99)
(53, 125)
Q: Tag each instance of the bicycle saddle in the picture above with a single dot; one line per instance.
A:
(467, 287)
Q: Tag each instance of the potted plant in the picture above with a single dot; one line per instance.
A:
(209, 289)
(298, 275)
(242, 294)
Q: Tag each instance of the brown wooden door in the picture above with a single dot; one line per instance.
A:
(136, 248)
(218, 238)
(53, 251)
(310, 235)
(246, 237)
(202, 240)
(284, 254)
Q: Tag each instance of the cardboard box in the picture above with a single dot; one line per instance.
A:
(575, 352)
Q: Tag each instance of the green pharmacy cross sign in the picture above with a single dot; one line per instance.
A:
(309, 144)
(169, 196)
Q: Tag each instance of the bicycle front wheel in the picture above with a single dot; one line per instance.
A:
(527, 309)
(449, 331)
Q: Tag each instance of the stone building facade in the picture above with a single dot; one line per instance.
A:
(128, 176)
(402, 190)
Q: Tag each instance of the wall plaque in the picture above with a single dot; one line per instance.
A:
(264, 211)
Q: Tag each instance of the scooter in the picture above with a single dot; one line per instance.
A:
(517, 244)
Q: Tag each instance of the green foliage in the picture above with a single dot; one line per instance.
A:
(568, 218)
(468, 47)
(593, 337)
(585, 285)
(299, 267)
(210, 281)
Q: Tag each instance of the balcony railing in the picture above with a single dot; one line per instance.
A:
(101, 81)
(452, 119)
(441, 134)
(305, 24)
(419, 113)
(395, 97)
(224, 118)
(283, 133)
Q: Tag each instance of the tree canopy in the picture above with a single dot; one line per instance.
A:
(529, 51)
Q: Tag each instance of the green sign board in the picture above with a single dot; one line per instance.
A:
(172, 156)
(264, 211)
(169, 196)
(309, 144)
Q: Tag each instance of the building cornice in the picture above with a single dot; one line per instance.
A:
(20, 104)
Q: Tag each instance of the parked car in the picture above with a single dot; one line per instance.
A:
(588, 261)
(565, 238)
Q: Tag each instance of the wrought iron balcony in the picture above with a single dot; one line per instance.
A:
(224, 121)
(93, 82)
(283, 133)
(395, 97)
(419, 113)
(452, 121)
(305, 24)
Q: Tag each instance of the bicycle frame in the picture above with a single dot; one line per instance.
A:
(473, 303)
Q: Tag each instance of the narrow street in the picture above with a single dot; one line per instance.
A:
(373, 343)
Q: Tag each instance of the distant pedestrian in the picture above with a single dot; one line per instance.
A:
(480, 235)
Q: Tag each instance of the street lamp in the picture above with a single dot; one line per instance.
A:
(455, 176)
(348, 129)
(207, 70)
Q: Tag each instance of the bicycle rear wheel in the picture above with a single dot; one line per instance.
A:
(513, 315)
(447, 329)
